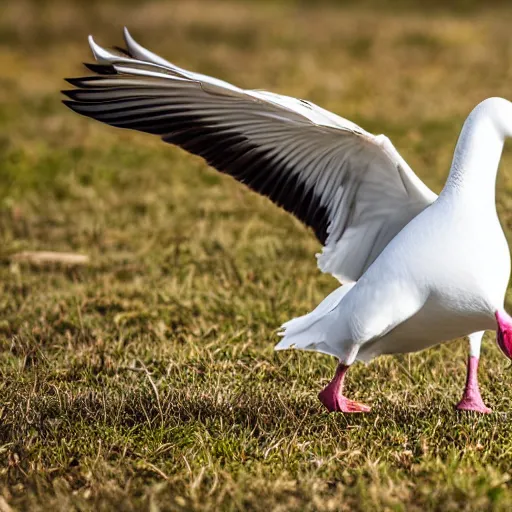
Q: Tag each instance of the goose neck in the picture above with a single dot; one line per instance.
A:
(477, 156)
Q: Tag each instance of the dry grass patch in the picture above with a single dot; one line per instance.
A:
(147, 379)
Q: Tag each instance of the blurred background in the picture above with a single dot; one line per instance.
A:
(189, 273)
(407, 68)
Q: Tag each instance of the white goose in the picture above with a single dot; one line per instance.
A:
(417, 269)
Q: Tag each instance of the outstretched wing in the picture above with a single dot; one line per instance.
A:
(351, 187)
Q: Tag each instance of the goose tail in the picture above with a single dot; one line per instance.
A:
(310, 332)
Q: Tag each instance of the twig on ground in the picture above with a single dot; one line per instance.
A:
(49, 257)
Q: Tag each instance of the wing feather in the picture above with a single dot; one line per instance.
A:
(351, 187)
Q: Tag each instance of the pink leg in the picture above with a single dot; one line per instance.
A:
(471, 399)
(332, 397)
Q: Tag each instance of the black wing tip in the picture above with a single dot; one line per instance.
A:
(82, 82)
(74, 106)
(100, 69)
(75, 82)
(70, 104)
(73, 94)
(78, 107)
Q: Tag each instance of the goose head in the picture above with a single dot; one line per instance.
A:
(499, 111)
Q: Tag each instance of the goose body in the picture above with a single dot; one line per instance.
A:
(416, 269)
(443, 276)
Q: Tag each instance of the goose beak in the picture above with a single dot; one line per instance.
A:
(504, 333)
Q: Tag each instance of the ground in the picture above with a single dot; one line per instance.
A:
(147, 380)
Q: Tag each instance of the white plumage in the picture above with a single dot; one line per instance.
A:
(417, 269)
(310, 332)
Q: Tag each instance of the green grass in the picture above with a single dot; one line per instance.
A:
(147, 379)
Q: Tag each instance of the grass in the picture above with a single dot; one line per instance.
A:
(147, 380)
